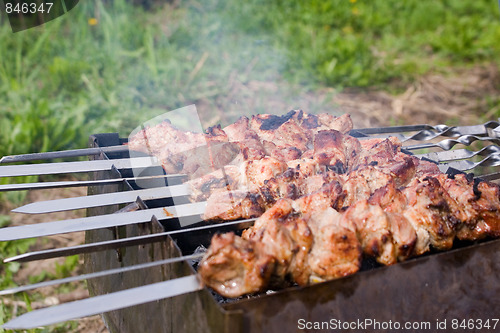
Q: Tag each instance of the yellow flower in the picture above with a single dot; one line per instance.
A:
(352, 1)
(347, 29)
(93, 21)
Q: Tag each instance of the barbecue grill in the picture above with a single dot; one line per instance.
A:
(456, 284)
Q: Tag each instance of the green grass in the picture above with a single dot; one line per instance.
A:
(61, 82)
(68, 79)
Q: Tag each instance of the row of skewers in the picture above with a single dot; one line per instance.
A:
(325, 200)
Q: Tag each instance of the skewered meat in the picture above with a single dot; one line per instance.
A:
(303, 176)
(325, 199)
(336, 251)
(236, 266)
(255, 175)
(479, 206)
(373, 231)
(248, 176)
(392, 225)
(232, 205)
(287, 245)
(283, 137)
(289, 184)
(429, 209)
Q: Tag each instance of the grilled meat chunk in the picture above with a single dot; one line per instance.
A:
(248, 176)
(234, 266)
(360, 184)
(336, 251)
(166, 142)
(232, 205)
(393, 202)
(282, 137)
(342, 123)
(373, 230)
(379, 151)
(243, 204)
(284, 234)
(288, 246)
(404, 236)
(335, 150)
(425, 168)
(430, 210)
(227, 178)
(479, 206)
(214, 156)
(256, 173)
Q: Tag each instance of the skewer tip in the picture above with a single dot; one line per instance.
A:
(18, 210)
(14, 258)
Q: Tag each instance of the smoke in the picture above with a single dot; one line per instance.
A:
(210, 55)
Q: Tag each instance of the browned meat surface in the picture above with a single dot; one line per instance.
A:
(425, 168)
(404, 236)
(393, 202)
(335, 150)
(232, 205)
(430, 210)
(284, 154)
(216, 134)
(329, 195)
(227, 178)
(239, 131)
(284, 234)
(288, 245)
(378, 151)
(234, 266)
(289, 134)
(479, 206)
(306, 166)
(166, 143)
(324, 199)
(286, 185)
(255, 173)
(336, 251)
(248, 176)
(360, 184)
(209, 158)
(342, 123)
(373, 230)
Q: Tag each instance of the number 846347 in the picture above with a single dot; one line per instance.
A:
(27, 7)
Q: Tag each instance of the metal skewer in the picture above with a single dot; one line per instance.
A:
(125, 242)
(98, 200)
(63, 154)
(104, 221)
(77, 183)
(448, 144)
(426, 132)
(75, 167)
(99, 274)
(104, 303)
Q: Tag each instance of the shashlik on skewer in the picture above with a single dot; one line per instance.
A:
(296, 242)
(325, 200)
(257, 191)
(284, 137)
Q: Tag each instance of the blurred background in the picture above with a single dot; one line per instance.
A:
(108, 66)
